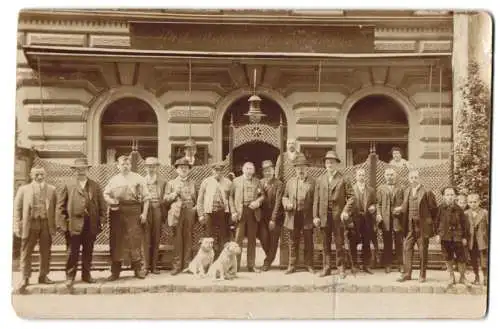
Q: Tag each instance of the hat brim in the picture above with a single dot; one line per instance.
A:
(80, 166)
(336, 159)
(183, 164)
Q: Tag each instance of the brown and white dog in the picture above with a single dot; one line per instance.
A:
(226, 266)
(203, 259)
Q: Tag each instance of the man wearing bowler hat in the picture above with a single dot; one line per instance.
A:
(333, 198)
(156, 215)
(81, 212)
(297, 201)
(269, 230)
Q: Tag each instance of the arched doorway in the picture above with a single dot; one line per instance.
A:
(255, 151)
(376, 119)
(124, 120)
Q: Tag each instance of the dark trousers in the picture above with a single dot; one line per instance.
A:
(392, 239)
(152, 234)
(39, 233)
(85, 240)
(263, 234)
(247, 226)
(337, 229)
(294, 241)
(183, 241)
(67, 239)
(353, 238)
(478, 258)
(423, 248)
(274, 237)
(452, 250)
(217, 227)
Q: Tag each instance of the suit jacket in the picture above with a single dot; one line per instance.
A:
(23, 208)
(290, 195)
(342, 196)
(428, 211)
(272, 208)
(71, 207)
(369, 197)
(443, 224)
(236, 196)
(479, 222)
(386, 202)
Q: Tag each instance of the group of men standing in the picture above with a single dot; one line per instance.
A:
(349, 213)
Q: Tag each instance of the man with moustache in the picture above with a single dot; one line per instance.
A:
(245, 201)
(297, 202)
(333, 199)
(128, 197)
(81, 213)
(389, 196)
(272, 214)
(285, 160)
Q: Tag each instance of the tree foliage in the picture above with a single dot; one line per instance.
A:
(472, 141)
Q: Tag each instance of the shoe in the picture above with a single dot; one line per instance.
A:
(387, 269)
(45, 280)
(175, 271)
(89, 279)
(401, 269)
(366, 270)
(325, 272)
(69, 283)
(310, 269)
(140, 274)
(155, 271)
(23, 285)
(265, 268)
(253, 270)
(404, 278)
(476, 279)
(421, 280)
(290, 270)
(113, 277)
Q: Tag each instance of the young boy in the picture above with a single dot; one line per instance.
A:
(462, 202)
(478, 237)
(451, 226)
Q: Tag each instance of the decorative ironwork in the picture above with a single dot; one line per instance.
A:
(256, 132)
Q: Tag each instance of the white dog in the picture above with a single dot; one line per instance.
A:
(226, 265)
(203, 259)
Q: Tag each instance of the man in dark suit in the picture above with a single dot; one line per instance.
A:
(245, 201)
(389, 196)
(34, 222)
(419, 209)
(81, 211)
(272, 214)
(363, 212)
(297, 201)
(156, 215)
(332, 206)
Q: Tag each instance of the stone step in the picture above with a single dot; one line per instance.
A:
(272, 281)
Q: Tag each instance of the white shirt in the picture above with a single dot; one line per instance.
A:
(361, 187)
(83, 183)
(414, 190)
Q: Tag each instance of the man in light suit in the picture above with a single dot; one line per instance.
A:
(34, 220)
(298, 205)
(333, 198)
(247, 195)
(81, 212)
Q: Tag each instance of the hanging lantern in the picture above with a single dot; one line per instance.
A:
(254, 113)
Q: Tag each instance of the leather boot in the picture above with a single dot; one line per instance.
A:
(116, 268)
(449, 268)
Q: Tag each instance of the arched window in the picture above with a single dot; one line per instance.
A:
(125, 120)
(376, 119)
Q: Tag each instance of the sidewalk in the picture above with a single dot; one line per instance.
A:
(272, 281)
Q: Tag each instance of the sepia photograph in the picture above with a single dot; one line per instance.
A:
(252, 164)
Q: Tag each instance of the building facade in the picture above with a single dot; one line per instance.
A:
(90, 83)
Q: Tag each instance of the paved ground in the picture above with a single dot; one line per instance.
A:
(251, 306)
(272, 281)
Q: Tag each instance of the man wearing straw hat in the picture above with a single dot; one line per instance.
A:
(333, 200)
(297, 201)
(180, 194)
(128, 197)
(81, 212)
(34, 222)
(156, 215)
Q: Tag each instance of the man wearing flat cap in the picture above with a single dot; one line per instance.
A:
(156, 215)
(190, 153)
(81, 214)
(269, 230)
(298, 205)
(213, 206)
(333, 200)
(181, 197)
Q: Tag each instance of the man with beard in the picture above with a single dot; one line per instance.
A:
(272, 214)
(298, 205)
(285, 160)
(333, 198)
(128, 197)
(81, 210)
